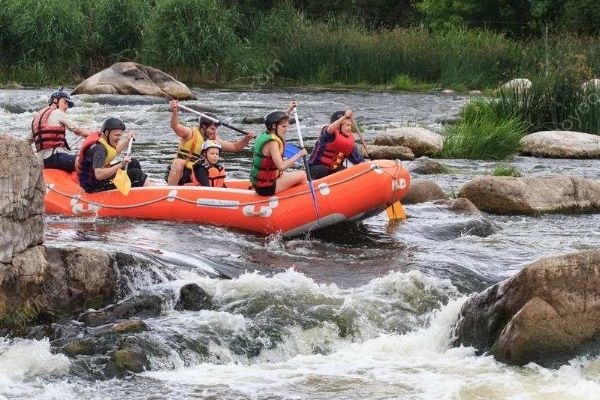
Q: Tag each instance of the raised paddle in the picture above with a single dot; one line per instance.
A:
(395, 211)
(121, 179)
(308, 177)
(288, 151)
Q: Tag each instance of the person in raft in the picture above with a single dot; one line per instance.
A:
(48, 132)
(334, 145)
(99, 150)
(209, 172)
(268, 164)
(190, 145)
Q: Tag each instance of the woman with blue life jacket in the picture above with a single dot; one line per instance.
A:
(268, 165)
(99, 149)
(48, 132)
(191, 140)
(209, 172)
(334, 145)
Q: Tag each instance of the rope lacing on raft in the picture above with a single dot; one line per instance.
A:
(226, 203)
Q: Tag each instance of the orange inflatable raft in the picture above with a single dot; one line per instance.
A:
(355, 193)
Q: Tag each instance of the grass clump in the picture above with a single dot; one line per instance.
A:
(405, 82)
(506, 170)
(483, 134)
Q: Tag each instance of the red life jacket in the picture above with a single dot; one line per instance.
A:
(47, 136)
(334, 153)
(216, 175)
(85, 169)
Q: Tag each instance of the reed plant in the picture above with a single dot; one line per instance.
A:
(192, 35)
(117, 27)
(483, 134)
(50, 32)
(506, 170)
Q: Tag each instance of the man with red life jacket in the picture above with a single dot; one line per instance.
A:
(190, 146)
(209, 172)
(268, 165)
(48, 132)
(334, 145)
(99, 150)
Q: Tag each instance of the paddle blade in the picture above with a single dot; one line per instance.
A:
(122, 182)
(396, 212)
(289, 150)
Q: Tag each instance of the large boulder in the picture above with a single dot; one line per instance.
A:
(548, 313)
(420, 140)
(561, 144)
(134, 78)
(21, 198)
(533, 195)
(518, 85)
(422, 191)
(38, 283)
(387, 152)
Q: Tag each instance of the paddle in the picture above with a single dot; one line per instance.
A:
(121, 179)
(288, 151)
(395, 211)
(310, 185)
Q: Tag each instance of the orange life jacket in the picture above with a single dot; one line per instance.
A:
(216, 175)
(332, 154)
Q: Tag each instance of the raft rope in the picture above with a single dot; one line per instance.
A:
(226, 205)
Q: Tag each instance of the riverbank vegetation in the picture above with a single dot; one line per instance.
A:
(396, 45)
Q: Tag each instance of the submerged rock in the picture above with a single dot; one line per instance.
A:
(533, 195)
(132, 325)
(387, 152)
(193, 298)
(427, 166)
(548, 313)
(142, 306)
(129, 358)
(134, 78)
(561, 144)
(422, 191)
(421, 141)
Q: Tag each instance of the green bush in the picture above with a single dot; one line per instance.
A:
(48, 31)
(195, 35)
(482, 134)
(118, 26)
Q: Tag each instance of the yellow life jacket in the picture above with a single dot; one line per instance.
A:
(111, 152)
(190, 150)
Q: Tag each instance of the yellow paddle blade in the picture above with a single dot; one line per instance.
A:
(396, 211)
(122, 182)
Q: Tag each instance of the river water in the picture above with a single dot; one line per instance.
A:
(358, 311)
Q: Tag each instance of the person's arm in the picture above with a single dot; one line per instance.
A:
(101, 172)
(336, 124)
(272, 149)
(236, 147)
(355, 157)
(202, 175)
(293, 104)
(183, 132)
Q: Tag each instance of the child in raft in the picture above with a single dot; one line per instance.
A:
(267, 164)
(209, 172)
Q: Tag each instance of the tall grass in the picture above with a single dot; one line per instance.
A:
(555, 102)
(483, 134)
(117, 28)
(192, 35)
(51, 32)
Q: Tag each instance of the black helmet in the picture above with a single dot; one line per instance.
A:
(112, 123)
(337, 115)
(274, 118)
(61, 94)
(207, 121)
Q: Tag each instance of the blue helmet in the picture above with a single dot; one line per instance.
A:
(61, 94)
